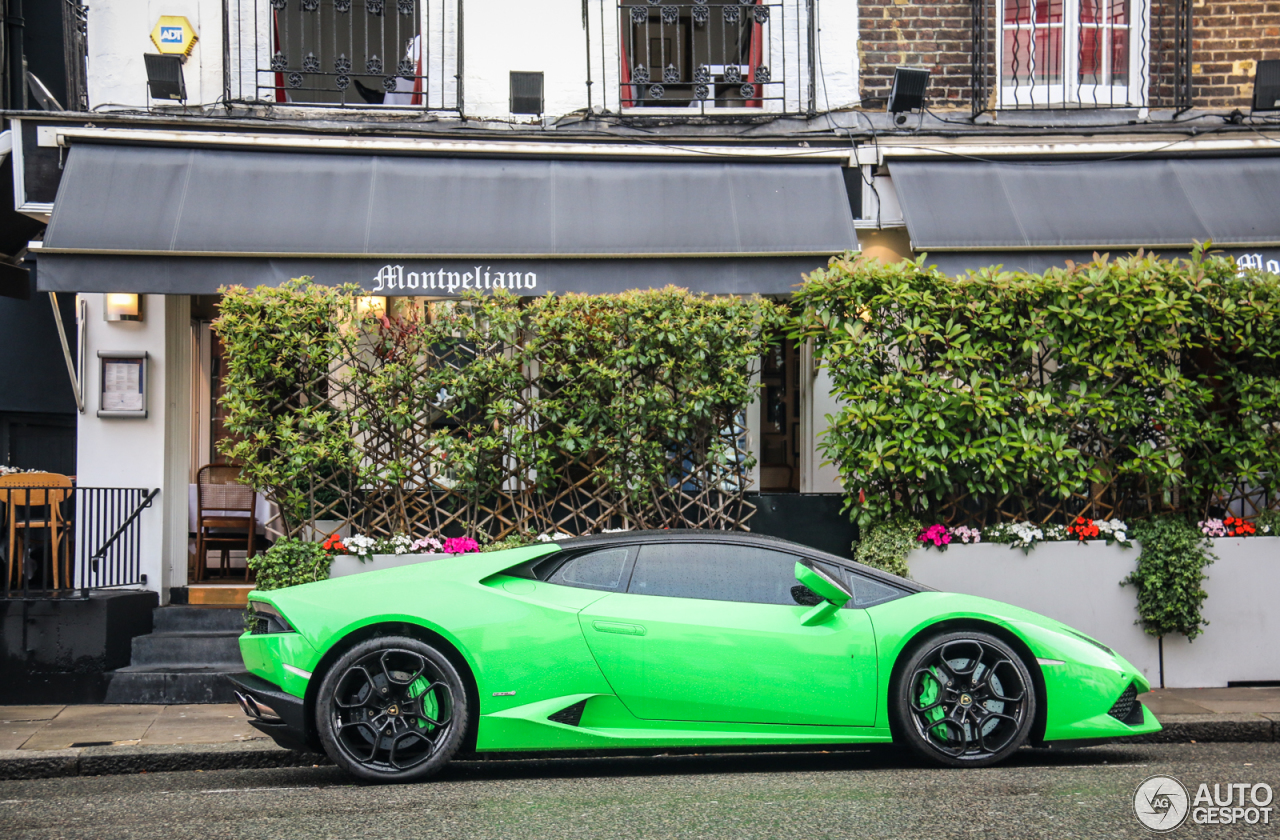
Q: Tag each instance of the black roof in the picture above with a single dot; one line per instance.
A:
(745, 538)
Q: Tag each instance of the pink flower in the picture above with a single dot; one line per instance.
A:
(460, 545)
(938, 535)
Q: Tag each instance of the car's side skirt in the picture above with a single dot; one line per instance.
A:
(604, 723)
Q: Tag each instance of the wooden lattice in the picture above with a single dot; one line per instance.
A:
(399, 479)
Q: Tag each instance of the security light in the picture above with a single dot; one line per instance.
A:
(907, 93)
(1266, 86)
(164, 77)
(526, 93)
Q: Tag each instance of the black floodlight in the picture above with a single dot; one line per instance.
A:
(164, 77)
(526, 93)
(907, 93)
(1266, 86)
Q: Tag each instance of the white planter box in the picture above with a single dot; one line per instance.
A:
(320, 530)
(1079, 585)
(347, 564)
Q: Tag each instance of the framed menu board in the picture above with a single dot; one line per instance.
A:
(123, 384)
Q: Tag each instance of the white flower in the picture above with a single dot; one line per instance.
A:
(1122, 536)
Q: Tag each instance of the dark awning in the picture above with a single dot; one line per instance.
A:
(185, 221)
(1105, 205)
(1037, 262)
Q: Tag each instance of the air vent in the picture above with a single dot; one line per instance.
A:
(526, 93)
(1127, 709)
(571, 715)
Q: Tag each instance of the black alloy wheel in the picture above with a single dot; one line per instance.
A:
(392, 709)
(964, 700)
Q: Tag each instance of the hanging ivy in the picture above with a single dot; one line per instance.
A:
(1169, 576)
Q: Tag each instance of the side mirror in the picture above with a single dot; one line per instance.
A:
(832, 593)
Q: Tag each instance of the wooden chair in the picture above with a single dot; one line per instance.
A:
(34, 500)
(225, 516)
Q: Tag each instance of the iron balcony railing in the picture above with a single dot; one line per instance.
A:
(400, 54)
(732, 57)
(1081, 54)
(61, 541)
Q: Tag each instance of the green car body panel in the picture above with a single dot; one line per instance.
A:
(669, 672)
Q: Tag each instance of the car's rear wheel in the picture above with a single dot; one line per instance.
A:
(964, 700)
(391, 709)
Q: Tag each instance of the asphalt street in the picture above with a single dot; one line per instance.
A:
(1085, 793)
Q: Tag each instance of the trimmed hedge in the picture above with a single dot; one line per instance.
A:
(1141, 384)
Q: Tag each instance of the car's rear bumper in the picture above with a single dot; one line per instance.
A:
(280, 715)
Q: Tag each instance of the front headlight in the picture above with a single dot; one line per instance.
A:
(267, 619)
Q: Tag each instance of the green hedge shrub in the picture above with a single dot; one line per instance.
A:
(1159, 379)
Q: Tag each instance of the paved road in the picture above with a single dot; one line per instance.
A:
(1082, 793)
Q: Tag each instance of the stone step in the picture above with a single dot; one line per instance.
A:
(171, 686)
(209, 648)
(183, 619)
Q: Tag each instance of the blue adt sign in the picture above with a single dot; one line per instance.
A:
(171, 34)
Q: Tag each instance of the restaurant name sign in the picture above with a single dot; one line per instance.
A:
(394, 278)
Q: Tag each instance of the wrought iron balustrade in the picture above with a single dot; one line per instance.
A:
(1081, 54)
(65, 541)
(707, 55)
(345, 53)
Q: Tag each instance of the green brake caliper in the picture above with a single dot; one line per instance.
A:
(430, 706)
(930, 687)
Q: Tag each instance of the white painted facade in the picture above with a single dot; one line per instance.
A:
(499, 36)
(145, 453)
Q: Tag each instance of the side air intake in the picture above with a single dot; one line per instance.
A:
(570, 715)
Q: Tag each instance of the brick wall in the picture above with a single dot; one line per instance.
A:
(1229, 37)
(932, 34)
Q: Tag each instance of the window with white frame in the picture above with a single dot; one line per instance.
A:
(1082, 53)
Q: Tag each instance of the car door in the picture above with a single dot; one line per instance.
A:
(712, 632)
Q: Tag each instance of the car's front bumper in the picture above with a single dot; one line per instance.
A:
(275, 712)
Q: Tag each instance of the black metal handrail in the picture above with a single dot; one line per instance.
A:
(65, 541)
(344, 53)
(1081, 54)
(726, 57)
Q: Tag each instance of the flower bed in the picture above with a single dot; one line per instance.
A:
(1079, 584)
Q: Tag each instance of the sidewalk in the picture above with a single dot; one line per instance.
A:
(44, 741)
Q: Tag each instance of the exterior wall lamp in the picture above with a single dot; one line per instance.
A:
(907, 93)
(122, 307)
(371, 306)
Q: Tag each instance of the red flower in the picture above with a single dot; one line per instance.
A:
(334, 543)
(1083, 529)
(1237, 527)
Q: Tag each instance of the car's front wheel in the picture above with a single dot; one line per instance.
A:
(391, 709)
(964, 700)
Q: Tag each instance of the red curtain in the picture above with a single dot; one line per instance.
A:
(757, 53)
(629, 93)
(275, 39)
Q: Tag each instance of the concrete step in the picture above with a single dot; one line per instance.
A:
(196, 648)
(171, 686)
(183, 619)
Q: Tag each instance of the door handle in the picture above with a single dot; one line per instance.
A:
(616, 627)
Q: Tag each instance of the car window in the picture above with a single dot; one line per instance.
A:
(868, 592)
(715, 573)
(597, 570)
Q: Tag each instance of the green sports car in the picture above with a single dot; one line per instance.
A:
(660, 639)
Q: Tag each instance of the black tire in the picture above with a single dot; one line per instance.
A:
(963, 700)
(392, 709)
